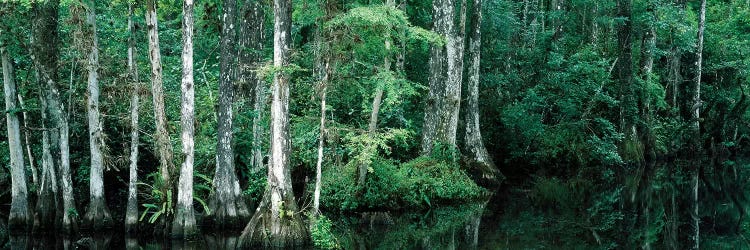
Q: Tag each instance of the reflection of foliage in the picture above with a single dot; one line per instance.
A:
(439, 228)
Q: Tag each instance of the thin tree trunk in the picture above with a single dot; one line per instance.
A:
(277, 221)
(226, 204)
(20, 217)
(473, 136)
(696, 128)
(377, 100)
(321, 137)
(32, 166)
(131, 215)
(163, 145)
(184, 221)
(97, 216)
(446, 75)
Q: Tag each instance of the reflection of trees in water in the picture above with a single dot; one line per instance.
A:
(440, 228)
(455, 227)
(222, 241)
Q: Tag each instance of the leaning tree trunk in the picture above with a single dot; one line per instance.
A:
(228, 210)
(131, 215)
(183, 225)
(97, 216)
(20, 217)
(163, 146)
(27, 138)
(377, 100)
(446, 74)
(473, 137)
(277, 221)
(44, 54)
(696, 128)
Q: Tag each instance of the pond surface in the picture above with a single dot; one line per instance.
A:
(469, 226)
(508, 220)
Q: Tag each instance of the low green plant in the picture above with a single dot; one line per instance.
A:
(321, 233)
(418, 184)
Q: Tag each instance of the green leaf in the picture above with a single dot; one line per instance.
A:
(203, 203)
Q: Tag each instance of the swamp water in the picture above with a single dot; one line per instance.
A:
(483, 225)
(551, 214)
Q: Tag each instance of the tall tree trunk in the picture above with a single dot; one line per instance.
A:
(473, 136)
(184, 221)
(97, 215)
(696, 128)
(632, 149)
(47, 199)
(401, 56)
(250, 47)
(648, 47)
(226, 204)
(131, 215)
(675, 56)
(20, 217)
(446, 75)
(277, 221)
(163, 145)
(44, 54)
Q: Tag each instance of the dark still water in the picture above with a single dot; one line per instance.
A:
(511, 219)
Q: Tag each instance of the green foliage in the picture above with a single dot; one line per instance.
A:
(322, 234)
(421, 183)
(158, 203)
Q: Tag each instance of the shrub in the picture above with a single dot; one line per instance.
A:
(417, 184)
(321, 233)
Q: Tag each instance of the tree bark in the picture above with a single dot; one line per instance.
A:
(473, 136)
(20, 218)
(446, 75)
(226, 204)
(47, 200)
(44, 54)
(183, 225)
(696, 128)
(632, 147)
(131, 215)
(163, 145)
(277, 221)
(97, 216)
(250, 47)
